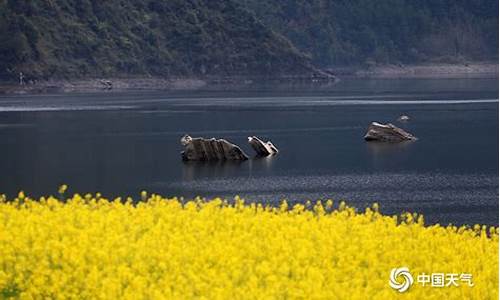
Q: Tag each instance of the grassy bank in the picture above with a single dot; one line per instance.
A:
(88, 247)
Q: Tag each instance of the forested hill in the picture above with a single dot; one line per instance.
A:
(347, 32)
(84, 38)
(220, 38)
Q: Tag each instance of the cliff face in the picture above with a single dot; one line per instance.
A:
(83, 38)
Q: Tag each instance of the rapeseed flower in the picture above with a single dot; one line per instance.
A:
(90, 247)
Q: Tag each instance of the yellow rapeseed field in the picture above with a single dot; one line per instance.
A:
(88, 247)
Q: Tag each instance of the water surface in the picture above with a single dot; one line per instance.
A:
(120, 143)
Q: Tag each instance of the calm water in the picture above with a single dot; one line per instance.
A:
(121, 143)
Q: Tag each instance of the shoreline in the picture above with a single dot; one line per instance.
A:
(421, 71)
(99, 85)
(484, 70)
(152, 83)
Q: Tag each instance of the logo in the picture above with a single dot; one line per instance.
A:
(401, 279)
(404, 273)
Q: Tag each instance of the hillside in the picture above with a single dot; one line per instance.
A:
(367, 32)
(68, 39)
(61, 39)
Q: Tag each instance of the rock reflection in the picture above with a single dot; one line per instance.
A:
(262, 163)
(381, 148)
(192, 170)
(389, 154)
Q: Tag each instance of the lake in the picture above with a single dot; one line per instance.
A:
(120, 143)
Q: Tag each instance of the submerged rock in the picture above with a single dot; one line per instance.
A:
(404, 118)
(210, 149)
(261, 148)
(387, 133)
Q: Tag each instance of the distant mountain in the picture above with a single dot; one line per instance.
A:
(84, 38)
(364, 32)
(222, 38)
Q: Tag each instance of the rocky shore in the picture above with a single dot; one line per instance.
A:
(441, 70)
(437, 71)
(152, 83)
(100, 84)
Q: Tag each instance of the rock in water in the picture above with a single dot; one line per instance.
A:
(387, 133)
(261, 148)
(404, 118)
(210, 149)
